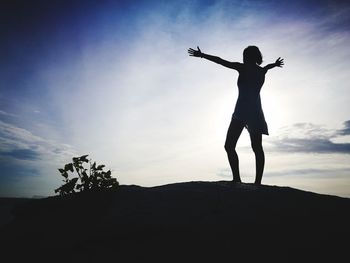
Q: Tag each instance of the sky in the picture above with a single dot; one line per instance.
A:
(113, 79)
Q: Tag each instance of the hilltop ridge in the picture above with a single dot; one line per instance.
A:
(192, 218)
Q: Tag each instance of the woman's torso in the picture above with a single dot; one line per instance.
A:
(250, 80)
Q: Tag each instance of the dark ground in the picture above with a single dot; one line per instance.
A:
(181, 222)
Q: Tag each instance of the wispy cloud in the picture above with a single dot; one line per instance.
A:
(5, 113)
(13, 137)
(346, 129)
(22, 154)
(309, 172)
(310, 138)
(312, 145)
(29, 162)
(312, 172)
(18, 145)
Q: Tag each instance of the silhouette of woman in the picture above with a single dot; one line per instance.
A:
(248, 111)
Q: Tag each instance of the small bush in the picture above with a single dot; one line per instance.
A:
(90, 179)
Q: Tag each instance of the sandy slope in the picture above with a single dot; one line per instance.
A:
(193, 220)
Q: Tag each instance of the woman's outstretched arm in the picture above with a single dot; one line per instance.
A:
(279, 63)
(225, 63)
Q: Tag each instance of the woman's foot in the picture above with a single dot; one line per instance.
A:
(236, 181)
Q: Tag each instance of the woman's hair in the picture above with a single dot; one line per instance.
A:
(252, 54)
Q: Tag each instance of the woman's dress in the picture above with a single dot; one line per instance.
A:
(248, 106)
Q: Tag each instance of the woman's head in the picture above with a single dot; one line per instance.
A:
(252, 55)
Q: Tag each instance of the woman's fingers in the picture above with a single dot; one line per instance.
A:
(280, 62)
(194, 53)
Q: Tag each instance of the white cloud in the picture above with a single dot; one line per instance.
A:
(13, 138)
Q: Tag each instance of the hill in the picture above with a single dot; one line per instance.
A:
(182, 221)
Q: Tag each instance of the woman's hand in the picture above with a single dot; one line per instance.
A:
(195, 53)
(279, 62)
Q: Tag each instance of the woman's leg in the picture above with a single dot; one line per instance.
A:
(233, 133)
(256, 141)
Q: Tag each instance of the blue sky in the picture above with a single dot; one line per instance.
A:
(113, 79)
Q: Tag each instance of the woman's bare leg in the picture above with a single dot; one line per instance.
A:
(256, 141)
(233, 133)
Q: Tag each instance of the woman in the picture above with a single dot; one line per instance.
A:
(248, 111)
